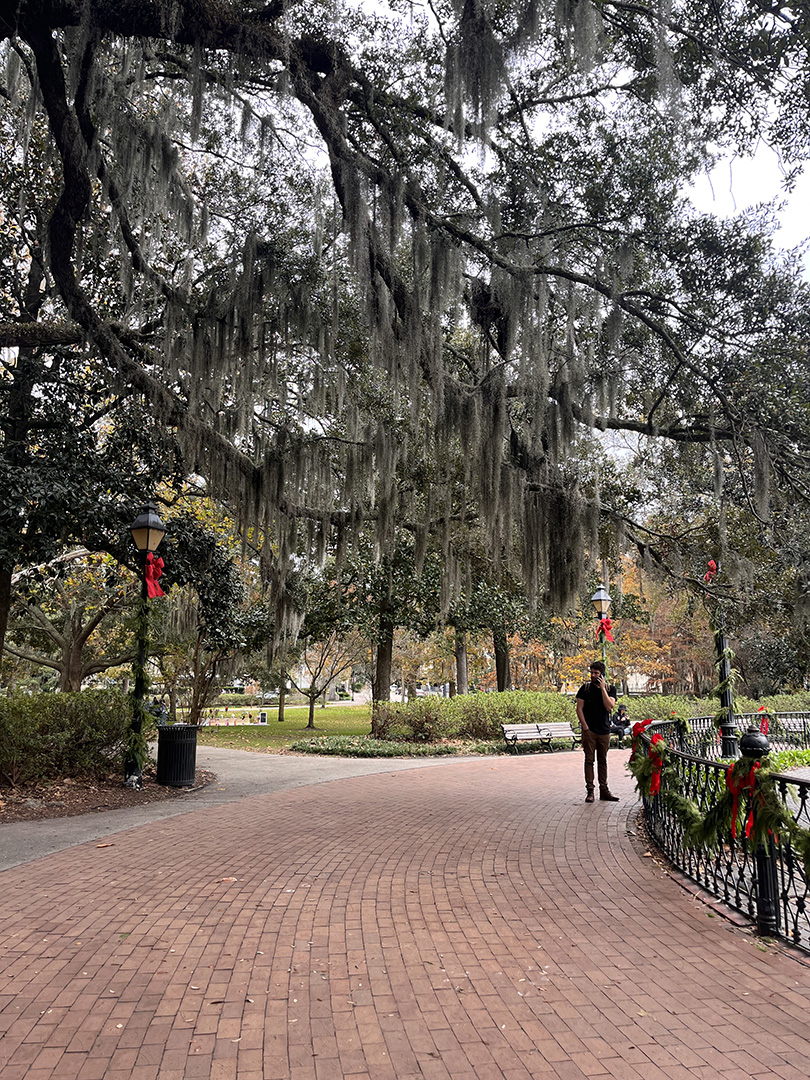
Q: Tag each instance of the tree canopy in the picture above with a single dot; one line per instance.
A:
(395, 266)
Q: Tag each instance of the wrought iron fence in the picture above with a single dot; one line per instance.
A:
(699, 734)
(766, 882)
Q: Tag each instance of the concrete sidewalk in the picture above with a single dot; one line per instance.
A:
(473, 920)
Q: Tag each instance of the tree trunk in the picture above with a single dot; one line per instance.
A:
(462, 686)
(203, 680)
(282, 695)
(381, 690)
(311, 717)
(70, 673)
(5, 606)
(502, 672)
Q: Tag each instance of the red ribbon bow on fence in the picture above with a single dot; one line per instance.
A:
(763, 723)
(642, 725)
(152, 571)
(656, 757)
(711, 573)
(604, 627)
(745, 786)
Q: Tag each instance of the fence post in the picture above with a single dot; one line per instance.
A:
(768, 920)
(755, 745)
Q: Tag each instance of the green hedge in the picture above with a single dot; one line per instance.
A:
(44, 736)
(468, 716)
(799, 701)
(661, 707)
(364, 746)
(479, 716)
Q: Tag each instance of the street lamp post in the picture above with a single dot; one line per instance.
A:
(729, 747)
(601, 601)
(147, 531)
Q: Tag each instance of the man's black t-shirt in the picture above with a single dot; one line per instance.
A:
(597, 717)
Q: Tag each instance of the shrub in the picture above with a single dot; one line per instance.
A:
(422, 720)
(43, 736)
(368, 747)
(468, 716)
(783, 760)
(776, 703)
(661, 707)
(479, 716)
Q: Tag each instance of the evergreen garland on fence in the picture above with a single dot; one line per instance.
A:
(754, 820)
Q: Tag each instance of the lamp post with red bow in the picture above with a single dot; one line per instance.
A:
(601, 601)
(147, 531)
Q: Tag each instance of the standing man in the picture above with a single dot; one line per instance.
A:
(595, 703)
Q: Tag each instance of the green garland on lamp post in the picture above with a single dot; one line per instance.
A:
(724, 719)
(147, 531)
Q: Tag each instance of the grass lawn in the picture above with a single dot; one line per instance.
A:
(333, 720)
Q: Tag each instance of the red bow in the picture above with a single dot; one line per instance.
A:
(642, 725)
(604, 627)
(711, 573)
(152, 571)
(763, 724)
(746, 785)
(656, 757)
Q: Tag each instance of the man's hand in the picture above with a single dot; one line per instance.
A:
(601, 682)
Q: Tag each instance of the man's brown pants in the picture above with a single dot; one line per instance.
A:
(596, 746)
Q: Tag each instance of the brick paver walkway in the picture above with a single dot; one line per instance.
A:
(473, 922)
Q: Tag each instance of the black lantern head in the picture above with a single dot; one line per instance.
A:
(147, 529)
(601, 601)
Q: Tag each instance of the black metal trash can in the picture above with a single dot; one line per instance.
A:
(177, 755)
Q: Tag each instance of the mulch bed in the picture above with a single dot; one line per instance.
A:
(68, 797)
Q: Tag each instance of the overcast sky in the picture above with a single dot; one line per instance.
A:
(739, 183)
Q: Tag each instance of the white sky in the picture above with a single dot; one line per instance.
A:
(736, 184)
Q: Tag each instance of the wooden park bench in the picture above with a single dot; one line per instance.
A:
(545, 734)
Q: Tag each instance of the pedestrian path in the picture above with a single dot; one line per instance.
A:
(239, 774)
(470, 921)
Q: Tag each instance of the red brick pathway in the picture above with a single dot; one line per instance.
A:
(473, 922)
